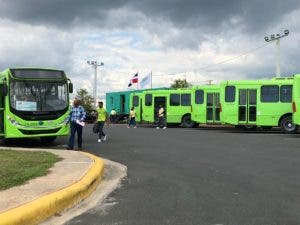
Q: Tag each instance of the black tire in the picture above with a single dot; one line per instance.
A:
(287, 126)
(47, 140)
(249, 127)
(187, 122)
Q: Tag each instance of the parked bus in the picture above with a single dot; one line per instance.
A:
(118, 101)
(177, 104)
(34, 103)
(121, 102)
(251, 103)
(296, 99)
(206, 104)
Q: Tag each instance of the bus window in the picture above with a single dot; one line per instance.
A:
(135, 101)
(286, 93)
(229, 93)
(185, 99)
(148, 99)
(269, 93)
(199, 96)
(174, 99)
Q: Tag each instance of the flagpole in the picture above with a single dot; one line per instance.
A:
(151, 79)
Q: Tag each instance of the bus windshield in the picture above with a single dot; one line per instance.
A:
(37, 96)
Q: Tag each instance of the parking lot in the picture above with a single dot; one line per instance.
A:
(199, 176)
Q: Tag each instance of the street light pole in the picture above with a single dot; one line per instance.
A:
(276, 38)
(95, 65)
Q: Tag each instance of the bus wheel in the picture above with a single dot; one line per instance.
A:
(287, 125)
(47, 140)
(249, 127)
(187, 122)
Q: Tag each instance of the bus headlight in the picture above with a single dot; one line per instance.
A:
(13, 122)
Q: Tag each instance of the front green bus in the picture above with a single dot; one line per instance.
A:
(264, 103)
(206, 104)
(177, 104)
(34, 103)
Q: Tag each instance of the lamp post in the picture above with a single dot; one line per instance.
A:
(276, 38)
(95, 65)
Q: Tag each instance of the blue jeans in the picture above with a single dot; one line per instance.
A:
(75, 128)
(132, 122)
(100, 132)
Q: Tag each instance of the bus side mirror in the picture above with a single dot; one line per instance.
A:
(4, 89)
(70, 88)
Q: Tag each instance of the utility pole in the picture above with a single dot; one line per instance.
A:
(95, 65)
(276, 38)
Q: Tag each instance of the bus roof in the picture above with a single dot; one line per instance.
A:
(279, 80)
(35, 73)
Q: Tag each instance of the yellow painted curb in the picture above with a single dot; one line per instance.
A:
(39, 210)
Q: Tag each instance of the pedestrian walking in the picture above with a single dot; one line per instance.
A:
(131, 121)
(76, 118)
(161, 118)
(102, 117)
(113, 116)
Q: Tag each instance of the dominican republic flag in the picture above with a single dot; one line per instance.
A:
(134, 79)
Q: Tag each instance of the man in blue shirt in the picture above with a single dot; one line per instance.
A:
(76, 116)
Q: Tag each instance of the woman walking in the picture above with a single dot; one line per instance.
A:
(132, 118)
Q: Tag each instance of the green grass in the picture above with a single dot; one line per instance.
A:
(17, 167)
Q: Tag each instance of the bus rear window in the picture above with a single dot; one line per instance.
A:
(185, 99)
(286, 93)
(148, 99)
(135, 101)
(199, 97)
(174, 99)
(269, 93)
(229, 93)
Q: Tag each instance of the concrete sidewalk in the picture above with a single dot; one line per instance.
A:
(77, 171)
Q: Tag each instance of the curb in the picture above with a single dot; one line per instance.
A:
(42, 208)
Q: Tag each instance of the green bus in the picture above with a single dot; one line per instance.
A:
(177, 104)
(296, 100)
(34, 103)
(252, 103)
(206, 104)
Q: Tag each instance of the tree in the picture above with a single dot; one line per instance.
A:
(85, 99)
(178, 83)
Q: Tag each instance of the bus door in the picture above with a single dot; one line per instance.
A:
(141, 111)
(157, 102)
(247, 106)
(213, 108)
(2, 101)
(122, 103)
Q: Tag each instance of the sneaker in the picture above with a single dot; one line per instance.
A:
(99, 140)
(80, 148)
(105, 138)
(69, 148)
(127, 126)
(135, 127)
(164, 127)
(157, 128)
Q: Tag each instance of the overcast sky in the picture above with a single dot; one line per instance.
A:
(198, 40)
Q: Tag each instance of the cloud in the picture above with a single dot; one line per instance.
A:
(172, 39)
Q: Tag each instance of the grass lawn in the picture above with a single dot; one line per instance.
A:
(17, 167)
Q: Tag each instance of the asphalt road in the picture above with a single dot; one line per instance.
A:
(204, 176)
